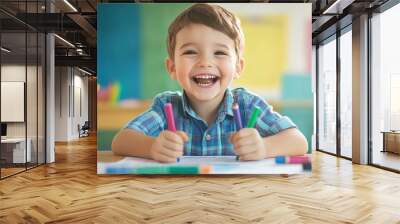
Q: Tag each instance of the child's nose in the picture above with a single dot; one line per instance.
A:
(205, 61)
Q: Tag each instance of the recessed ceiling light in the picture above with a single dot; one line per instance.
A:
(64, 40)
(337, 7)
(71, 6)
(84, 71)
(5, 50)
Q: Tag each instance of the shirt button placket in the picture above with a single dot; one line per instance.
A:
(206, 139)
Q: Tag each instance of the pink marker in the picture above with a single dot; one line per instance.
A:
(170, 116)
(170, 119)
(292, 159)
(299, 159)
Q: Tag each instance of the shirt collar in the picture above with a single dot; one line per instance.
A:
(226, 106)
(187, 109)
(224, 109)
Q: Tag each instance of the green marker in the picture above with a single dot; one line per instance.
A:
(152, 170)
(253, 120)
(254, 116)
(184, 170)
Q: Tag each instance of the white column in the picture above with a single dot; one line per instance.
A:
(50, 92)
(50, 108)
(360, 90)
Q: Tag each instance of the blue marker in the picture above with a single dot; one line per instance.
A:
(236, 114)
(238, 118)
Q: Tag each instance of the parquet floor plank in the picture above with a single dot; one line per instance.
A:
(70, 191)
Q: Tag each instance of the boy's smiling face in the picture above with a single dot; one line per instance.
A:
(205, 63)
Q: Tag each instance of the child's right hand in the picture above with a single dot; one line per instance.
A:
(168, 146)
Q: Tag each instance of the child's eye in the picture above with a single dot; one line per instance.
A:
(220, 53)
(189, 52)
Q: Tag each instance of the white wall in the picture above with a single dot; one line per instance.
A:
(61, 103)
(71, 93)
(14, 73)
(12, 101)
(33, 126)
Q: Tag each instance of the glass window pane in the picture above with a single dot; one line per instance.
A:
(386, 89)
(23, 84)
(41, 98)
(327, 96)
(346, 94)
(13, 85)
(31, 97)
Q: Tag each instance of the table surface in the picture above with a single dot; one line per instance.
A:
(220, 165)
(391, 132)
(13, 140)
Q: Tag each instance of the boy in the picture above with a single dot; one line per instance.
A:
(205, 45)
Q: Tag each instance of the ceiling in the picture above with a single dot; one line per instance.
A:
(76, 24)
(75, 21)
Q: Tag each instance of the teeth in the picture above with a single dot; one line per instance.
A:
(205, 76)
(205, 80)
(204, 84)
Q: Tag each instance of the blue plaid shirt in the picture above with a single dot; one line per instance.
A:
(210, 140)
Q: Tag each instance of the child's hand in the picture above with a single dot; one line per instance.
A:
(168, 146)
(248, 144)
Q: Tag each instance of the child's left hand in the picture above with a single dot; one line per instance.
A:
(248, 144)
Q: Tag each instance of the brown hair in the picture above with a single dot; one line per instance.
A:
(213, 16)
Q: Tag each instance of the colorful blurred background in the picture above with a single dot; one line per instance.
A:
(132, 50)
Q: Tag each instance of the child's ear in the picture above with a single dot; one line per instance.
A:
(170, 65)
(239, 67)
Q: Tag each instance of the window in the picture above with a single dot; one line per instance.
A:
(385, 85)
(327, 96)
(346, 94)
(22, 65)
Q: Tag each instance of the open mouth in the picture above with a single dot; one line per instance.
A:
(205, 80)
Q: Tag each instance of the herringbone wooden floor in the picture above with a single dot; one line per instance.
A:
(70, 191)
